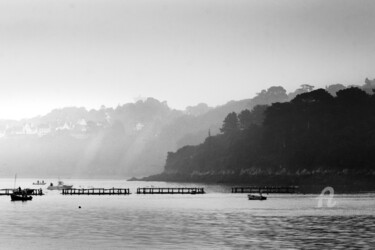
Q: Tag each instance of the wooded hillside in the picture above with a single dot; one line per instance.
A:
(315, 134)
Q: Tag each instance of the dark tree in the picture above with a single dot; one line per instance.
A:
(254, 117)
(319, 95)
(352, 96)
(258, 114)
(244, 118)
(230, 123)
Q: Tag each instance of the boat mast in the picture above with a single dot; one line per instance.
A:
(15, 178)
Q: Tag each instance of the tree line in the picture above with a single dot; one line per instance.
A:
(314, 133)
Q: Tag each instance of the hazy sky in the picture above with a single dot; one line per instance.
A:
(56, 53)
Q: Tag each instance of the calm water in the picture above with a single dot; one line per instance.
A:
(216, 220)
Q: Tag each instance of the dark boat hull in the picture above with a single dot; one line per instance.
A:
(15, 197)
(257, 197)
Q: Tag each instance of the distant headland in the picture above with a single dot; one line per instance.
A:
(316, 139)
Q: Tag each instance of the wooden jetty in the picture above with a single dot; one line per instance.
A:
(95, 191)
(9, 191)
(266, 189)
(181, 190)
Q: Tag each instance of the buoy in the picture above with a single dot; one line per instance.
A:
(79, 207)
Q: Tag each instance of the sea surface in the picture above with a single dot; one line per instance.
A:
(215, 220)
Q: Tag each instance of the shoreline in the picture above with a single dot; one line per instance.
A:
(312, 184)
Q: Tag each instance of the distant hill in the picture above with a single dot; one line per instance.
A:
(76, 142)
(132, 139)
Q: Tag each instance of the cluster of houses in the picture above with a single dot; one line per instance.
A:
(43, 129)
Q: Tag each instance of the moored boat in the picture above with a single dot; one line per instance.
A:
(22, 197)
(60, 186)
(257, 197)
(39, 183)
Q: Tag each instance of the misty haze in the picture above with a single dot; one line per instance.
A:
(187, 124)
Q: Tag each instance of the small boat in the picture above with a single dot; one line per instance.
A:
(257, 197)
(22, 197)
(60, 186)
(39, 183)
(19, 191)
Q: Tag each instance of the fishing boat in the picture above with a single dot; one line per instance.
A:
(19, 191)
(60, 186)
(15, 197)
(39, 183)
(257, 197)
(21, 195)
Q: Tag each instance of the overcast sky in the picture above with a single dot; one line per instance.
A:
(56, 53)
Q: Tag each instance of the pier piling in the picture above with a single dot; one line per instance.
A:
(184, 190)
(266, 189)
(95, 191)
